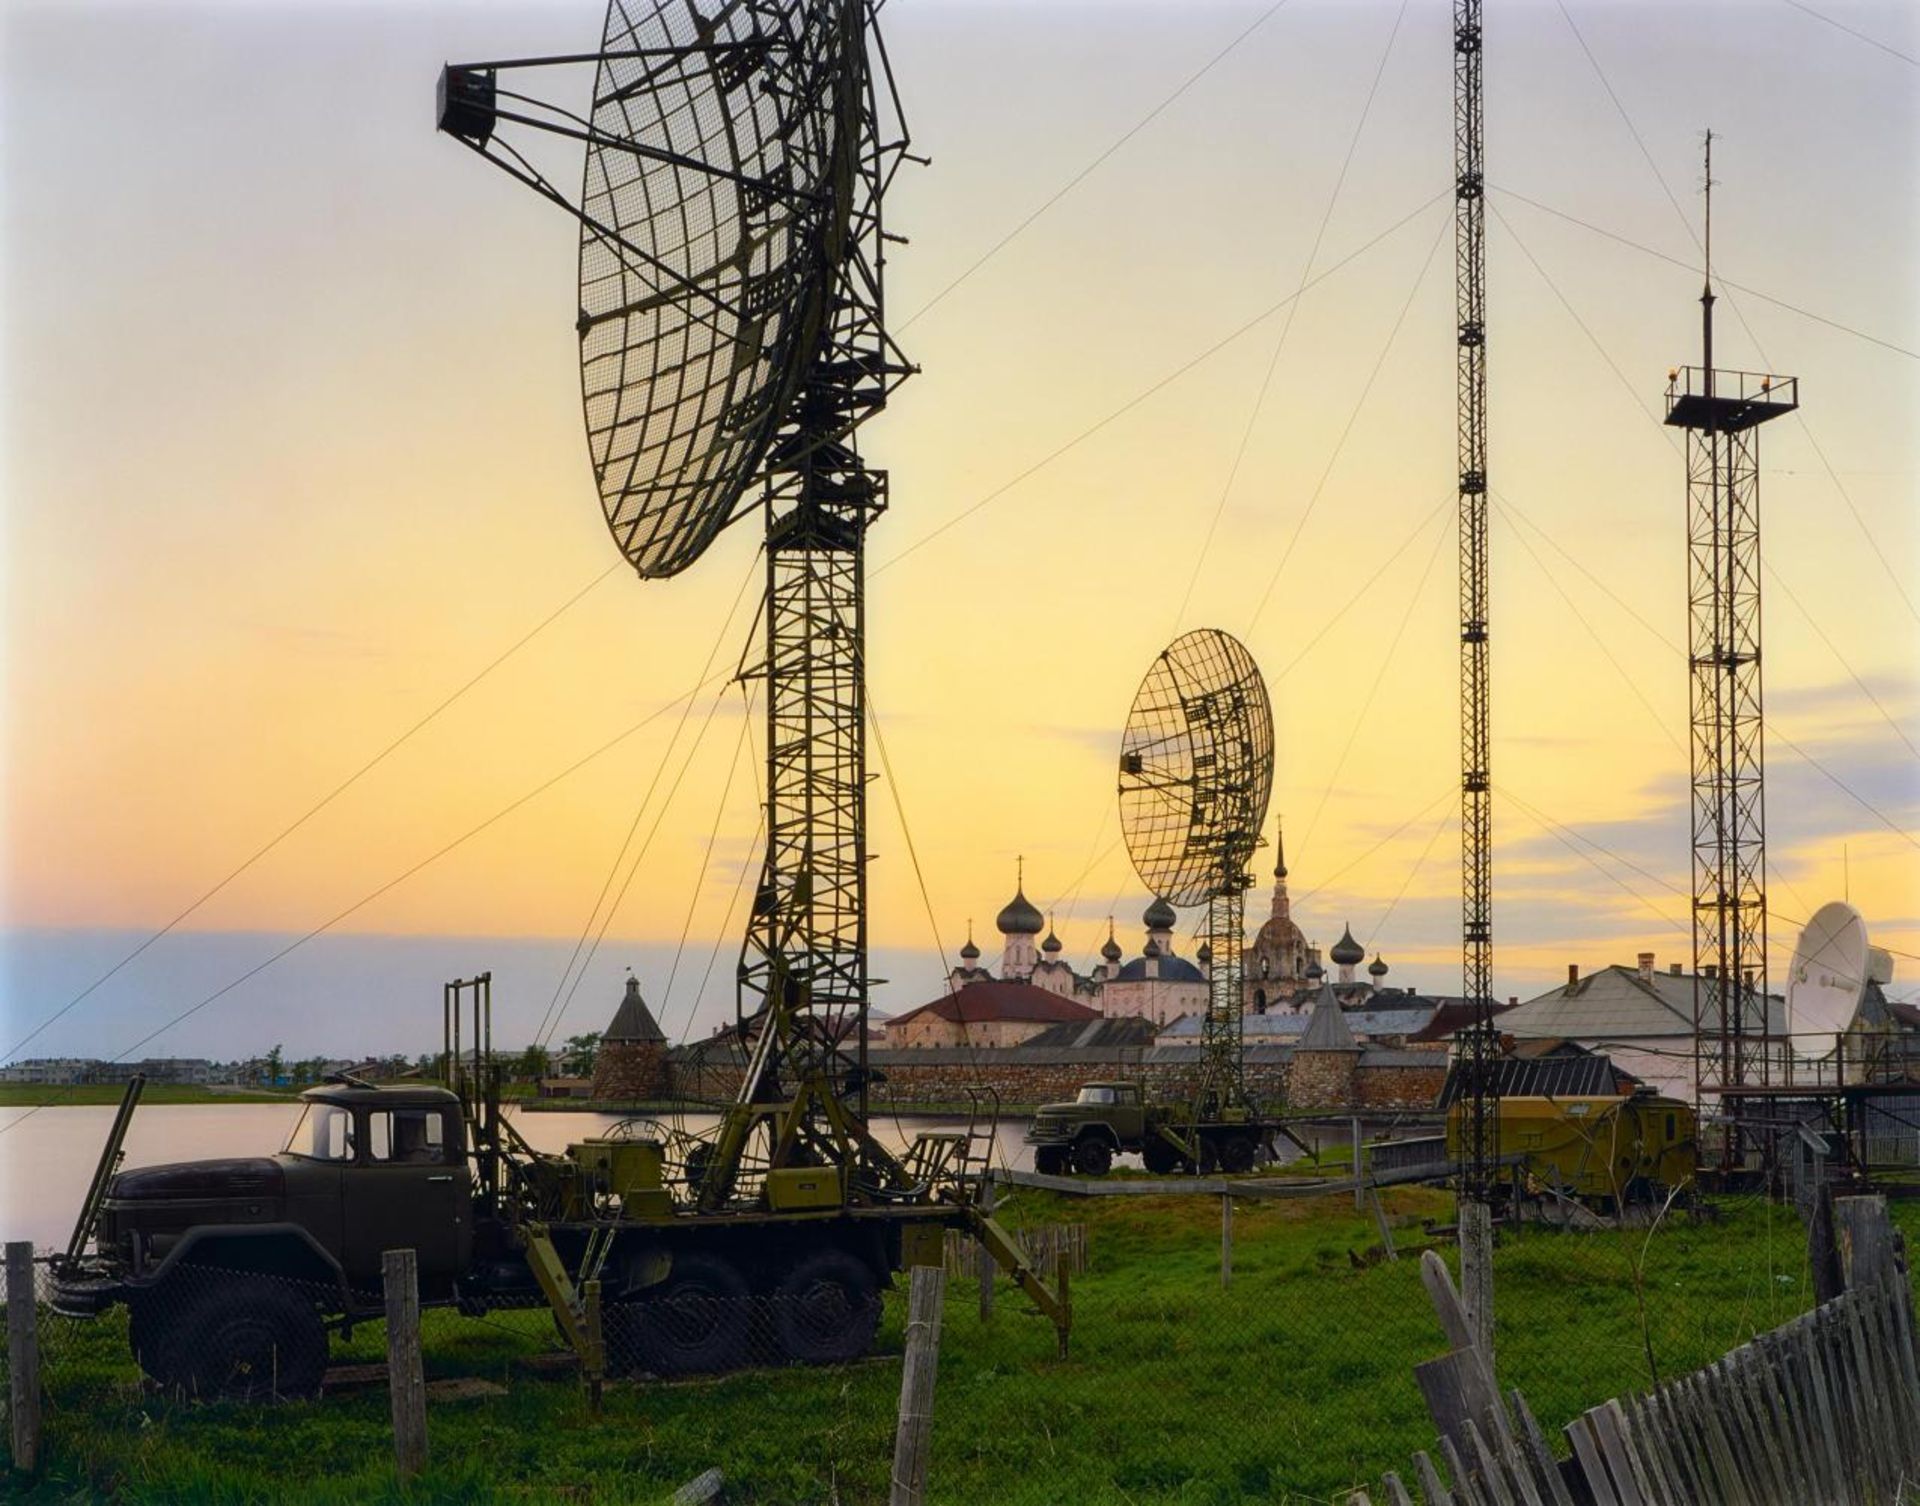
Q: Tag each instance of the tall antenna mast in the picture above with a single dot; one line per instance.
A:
(1479, 1149)
(1721, 412)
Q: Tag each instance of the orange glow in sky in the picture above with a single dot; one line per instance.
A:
(293, 451)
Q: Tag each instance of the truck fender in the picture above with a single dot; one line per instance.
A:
(1099, 1129)
(643, 1266)
(286, 1250)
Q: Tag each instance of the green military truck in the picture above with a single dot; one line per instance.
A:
(1108, 1119)
(235, 1271)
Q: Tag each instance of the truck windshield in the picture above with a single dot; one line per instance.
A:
(1098, 1095)
(324, 1133)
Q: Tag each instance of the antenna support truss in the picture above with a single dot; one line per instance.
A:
(1476, 1044)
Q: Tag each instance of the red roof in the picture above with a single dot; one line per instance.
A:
(1449, 1017)
(999, 999)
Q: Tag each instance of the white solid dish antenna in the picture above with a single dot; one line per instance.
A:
(1828, 977)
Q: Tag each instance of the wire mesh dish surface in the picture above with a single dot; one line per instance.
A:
(712, 168)
(1196, 767)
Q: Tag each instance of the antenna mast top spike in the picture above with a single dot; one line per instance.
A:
(1706, 285)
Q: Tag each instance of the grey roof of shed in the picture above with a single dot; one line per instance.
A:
(1120, 1030)
(1581, 1076)
(1616, 1003)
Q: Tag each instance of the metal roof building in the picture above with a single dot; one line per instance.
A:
(1640, 1016)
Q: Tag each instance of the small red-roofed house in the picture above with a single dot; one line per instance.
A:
(994, 1012)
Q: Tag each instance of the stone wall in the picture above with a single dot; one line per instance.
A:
(1032, 1075)
(630, 1071)
(1400, 1087)
(1324, 1079)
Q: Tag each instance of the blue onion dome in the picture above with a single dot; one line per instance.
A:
(1346, 951)
(1315, 972)
(1111, 949)
(1377, 967)
(1205, 955)
(1160, 916)
(1020, 918)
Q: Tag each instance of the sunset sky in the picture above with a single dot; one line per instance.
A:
(293, 451)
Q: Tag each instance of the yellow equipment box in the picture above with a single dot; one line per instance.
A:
(796, 1187)
(627, 1169)
(1630, 1147)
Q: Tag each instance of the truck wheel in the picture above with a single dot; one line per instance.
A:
(239, 1338)
(826, 1310)
(144, 1316)
(1161, 1158)
(1050, 1161)
(1092, 1157)
(1238, 1153)
(698, 1321)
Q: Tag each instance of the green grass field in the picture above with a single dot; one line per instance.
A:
(1290, 1387)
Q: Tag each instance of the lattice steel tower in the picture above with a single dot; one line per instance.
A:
(1722, 412)
(1478, 1147)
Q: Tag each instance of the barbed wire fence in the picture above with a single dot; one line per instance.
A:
(1223, 1350)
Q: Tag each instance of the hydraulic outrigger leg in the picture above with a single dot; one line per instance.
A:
(1007, 1253)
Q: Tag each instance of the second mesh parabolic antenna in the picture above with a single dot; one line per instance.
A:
(1196, 766)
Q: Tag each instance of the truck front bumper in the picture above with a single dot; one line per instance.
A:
(85, 1293)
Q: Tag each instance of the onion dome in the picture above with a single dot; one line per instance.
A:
(1160, 916)
(1376, 967)
(1151, 949)
(1346, 951)
(1314, 973)
(1020, 918)
(969, 953)
(1051, 946)
(1111, 949)
(1205, 955)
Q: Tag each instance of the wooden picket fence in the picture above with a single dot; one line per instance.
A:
(1046, 1245)
(1823, 1409)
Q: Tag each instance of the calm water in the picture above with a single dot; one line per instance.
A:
(47, 1158)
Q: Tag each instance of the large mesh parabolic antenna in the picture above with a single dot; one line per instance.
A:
(1196, 767)
(711, 162)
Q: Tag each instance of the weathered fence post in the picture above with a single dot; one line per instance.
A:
(1066, 1301)
(1226, 1240)
(1476, 1271)
(596, 1344)
(1865, 1236)
(1823, 1258)
(23, 1355)
(399, 1272)
(983, 1257)
(1359, 1169)
(914, 1436)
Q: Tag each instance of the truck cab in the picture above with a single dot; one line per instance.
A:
(372, 1169)
(230, 1268)
(366, 1169)
(1103, 1119)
